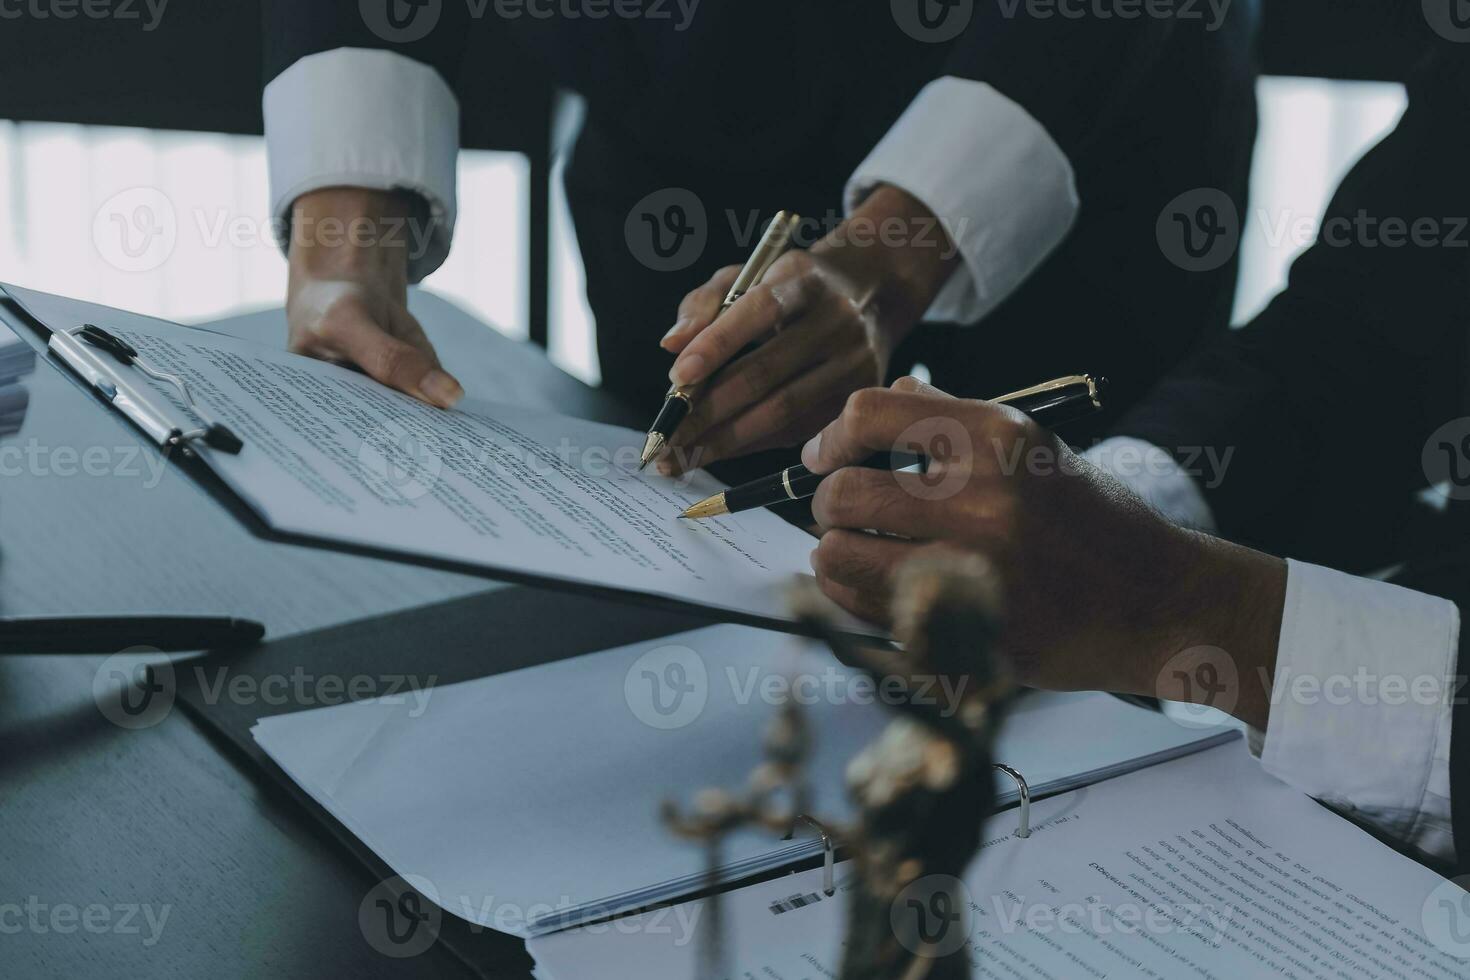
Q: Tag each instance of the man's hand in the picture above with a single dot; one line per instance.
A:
(827, 321)
(348, 294)
(1100, 592)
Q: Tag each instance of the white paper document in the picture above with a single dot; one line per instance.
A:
(530, 800)
(333, 456)
(1203, 867)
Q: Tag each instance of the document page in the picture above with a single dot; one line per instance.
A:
(332, 455)
(1204, 867)
(542, 787)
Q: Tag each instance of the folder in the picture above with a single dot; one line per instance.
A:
(541, 788)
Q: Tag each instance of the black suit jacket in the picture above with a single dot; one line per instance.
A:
(1332, 399)
(1327, 398)
(764, 104)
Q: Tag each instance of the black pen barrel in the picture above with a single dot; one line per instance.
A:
(1053, 409)
(789, 484)
(798, 483)
(675, 410)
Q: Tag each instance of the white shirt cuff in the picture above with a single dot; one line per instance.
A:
(1363, 702)
(1157, 477)
(354, 117)
(999, 184)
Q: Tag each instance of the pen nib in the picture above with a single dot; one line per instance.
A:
(652, 446)
(708, 507)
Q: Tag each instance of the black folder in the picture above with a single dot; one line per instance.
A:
(460, 640)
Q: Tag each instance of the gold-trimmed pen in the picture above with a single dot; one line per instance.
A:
(679, 402)
(1052, 403)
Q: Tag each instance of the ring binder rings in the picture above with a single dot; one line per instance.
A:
(75, 348)
(829, 884)
(1023, 815)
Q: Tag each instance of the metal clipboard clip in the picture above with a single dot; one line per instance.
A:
(79, 349)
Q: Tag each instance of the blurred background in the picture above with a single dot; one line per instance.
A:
(56, 178)
(60, 184)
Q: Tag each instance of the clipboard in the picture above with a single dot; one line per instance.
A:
(174, 439)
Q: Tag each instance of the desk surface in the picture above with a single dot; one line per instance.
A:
(102, 827)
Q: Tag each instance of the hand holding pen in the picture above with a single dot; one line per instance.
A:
(826, 321)
(679, 402)
(998, 483)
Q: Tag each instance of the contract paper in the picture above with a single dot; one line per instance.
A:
(333, 456)
(530, 800)
(1204, 867)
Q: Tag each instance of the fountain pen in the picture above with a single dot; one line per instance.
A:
(680, 399)
(1052, 404)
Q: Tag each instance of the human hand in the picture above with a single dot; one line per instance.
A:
(1099, 591)
(827, 321)
(347, 297)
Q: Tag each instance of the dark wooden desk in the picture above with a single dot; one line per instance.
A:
(100, 826)
(159, 822)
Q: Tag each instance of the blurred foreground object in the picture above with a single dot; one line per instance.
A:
(922, 790)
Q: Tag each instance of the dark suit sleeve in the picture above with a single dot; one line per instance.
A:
(1079, 76)
(1325, 400)
(294, 29)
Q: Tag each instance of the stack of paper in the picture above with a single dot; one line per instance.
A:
(17, 359)
(1204, 867)
(529, 801)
